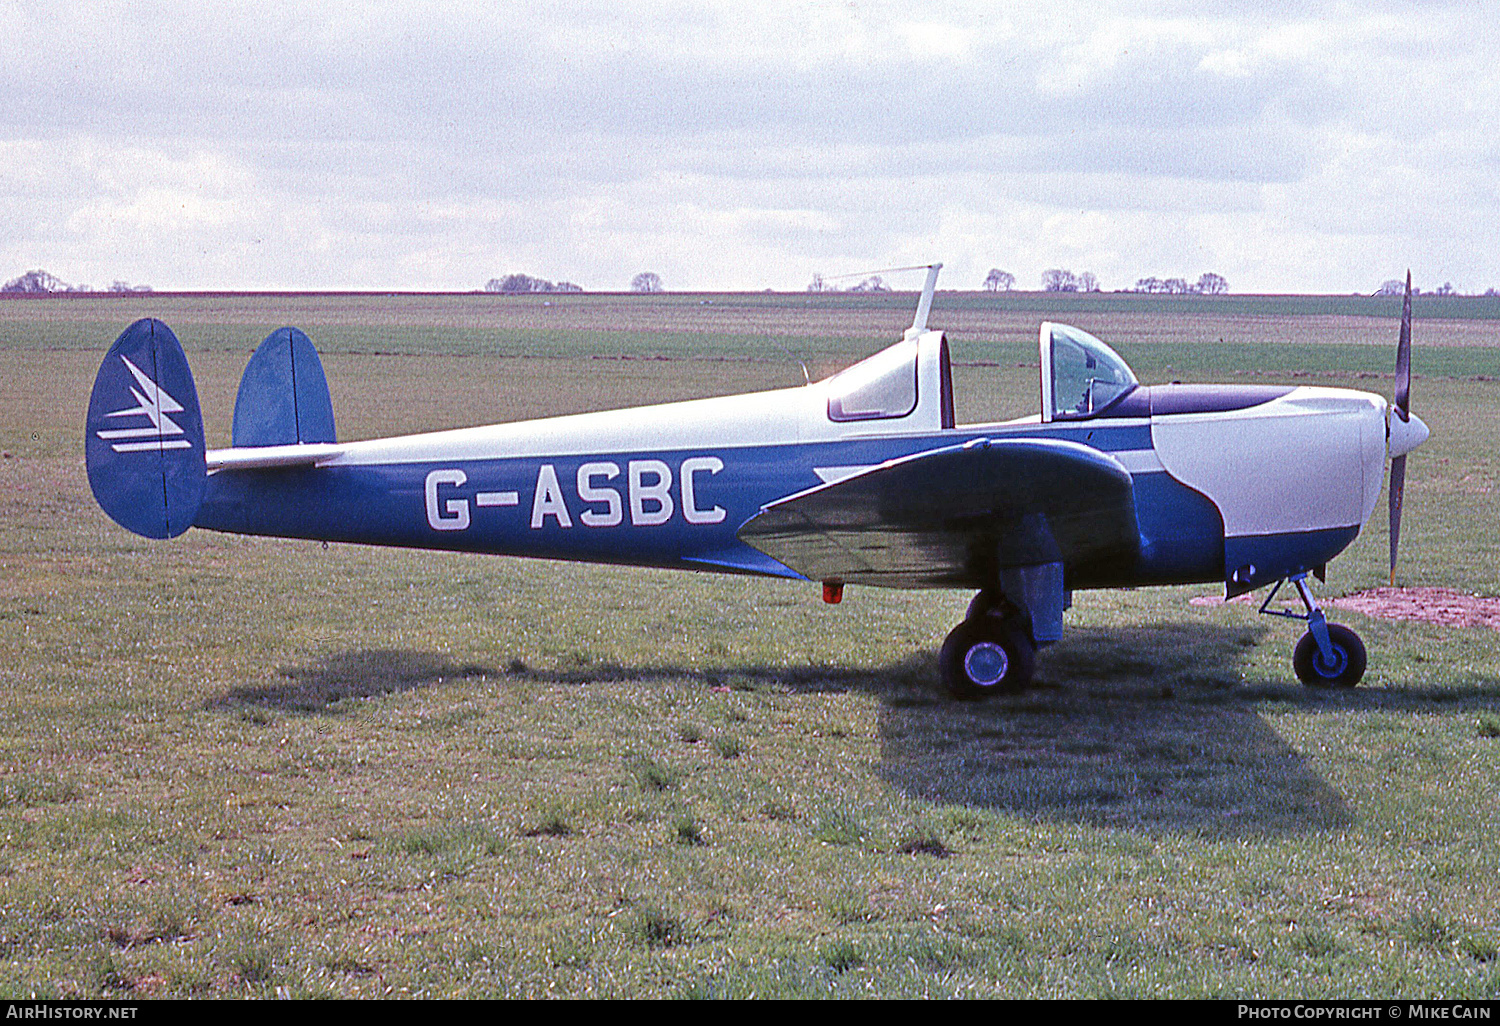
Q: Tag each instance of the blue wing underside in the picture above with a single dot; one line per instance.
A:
(957, 516)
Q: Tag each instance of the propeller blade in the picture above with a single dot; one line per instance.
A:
(1403, 357)
(1400, 407)
(1397, 492)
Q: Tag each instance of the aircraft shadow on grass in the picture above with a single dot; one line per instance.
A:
(326, 685)
(1149, 728)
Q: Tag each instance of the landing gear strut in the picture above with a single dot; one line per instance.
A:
(1329, 654)
(990, 653)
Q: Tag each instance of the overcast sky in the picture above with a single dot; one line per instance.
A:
(1293, 147)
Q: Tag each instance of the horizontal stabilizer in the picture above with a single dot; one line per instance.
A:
(270, 457)
(144, 435)
(283, 397)
(957, 516)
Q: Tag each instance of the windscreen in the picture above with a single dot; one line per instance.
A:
(1087, 375)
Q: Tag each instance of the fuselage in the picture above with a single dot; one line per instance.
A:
(1227, 481)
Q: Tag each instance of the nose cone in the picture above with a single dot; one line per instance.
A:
(1406, 435)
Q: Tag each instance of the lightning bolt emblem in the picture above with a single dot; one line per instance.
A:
(154, 403)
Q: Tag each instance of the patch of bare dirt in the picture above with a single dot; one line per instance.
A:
(1443, 606)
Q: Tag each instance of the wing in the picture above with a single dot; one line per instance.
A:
(956, 516)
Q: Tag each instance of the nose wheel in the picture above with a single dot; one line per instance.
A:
(1329, 655)
(988, 654)
(1342, 668)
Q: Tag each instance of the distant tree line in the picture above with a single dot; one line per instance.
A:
(518, 284)
(515, 284)
(1209, 284)
(1397, 287)
(874, 283)
(39, 282)
(1058, 279)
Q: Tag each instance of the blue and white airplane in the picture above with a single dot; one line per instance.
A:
(862, 478)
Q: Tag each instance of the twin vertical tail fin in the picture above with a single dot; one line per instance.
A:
(145, 448)
(144, 435)
(283, 397)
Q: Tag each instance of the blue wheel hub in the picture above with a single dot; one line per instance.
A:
(1331, 668)
(986, 663)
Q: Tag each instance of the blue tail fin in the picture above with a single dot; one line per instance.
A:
(144, 446)
(283, 397)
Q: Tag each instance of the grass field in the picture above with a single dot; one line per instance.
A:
(236, 767)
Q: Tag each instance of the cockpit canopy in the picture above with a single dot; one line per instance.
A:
(879, 388)
(1081, 376)
(909, 386)
(911, 381)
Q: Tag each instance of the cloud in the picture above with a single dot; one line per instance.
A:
(1300, 146)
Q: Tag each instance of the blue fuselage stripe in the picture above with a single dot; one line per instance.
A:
(677, 509)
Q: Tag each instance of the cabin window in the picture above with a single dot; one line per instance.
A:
(1087, 375)
(882, 387)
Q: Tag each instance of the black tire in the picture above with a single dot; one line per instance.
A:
(984, 604)
(1348, 659)
(986, 656)
(996, 606)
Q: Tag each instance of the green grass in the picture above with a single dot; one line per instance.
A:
(237, 767)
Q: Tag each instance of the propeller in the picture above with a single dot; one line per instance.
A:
(1404, 432)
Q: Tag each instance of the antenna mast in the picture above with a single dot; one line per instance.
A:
(924, 305)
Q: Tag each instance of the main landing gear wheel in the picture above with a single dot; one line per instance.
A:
(987, 655)
(1343, 671)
